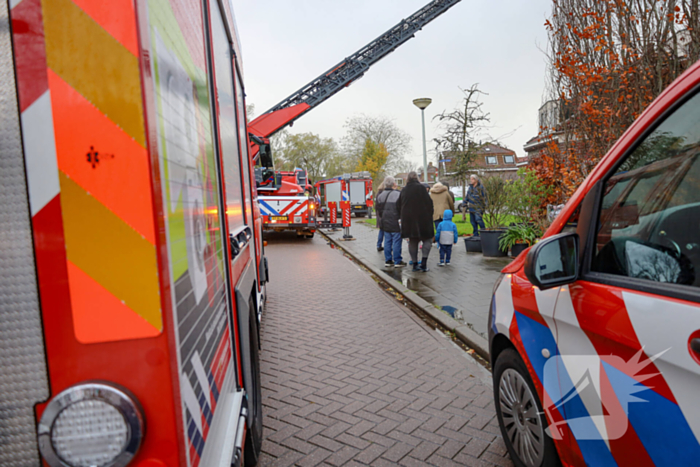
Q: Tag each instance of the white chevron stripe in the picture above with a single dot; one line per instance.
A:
(665, 325)
(504, 306)
(582, 357)
(40, 152)
(191, 402)
(201, 374)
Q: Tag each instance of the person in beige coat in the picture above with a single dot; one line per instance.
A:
(441, 201)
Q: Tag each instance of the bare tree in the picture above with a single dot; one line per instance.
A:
(307, 151)
(380, 130)
(459, 130)
(405, 166)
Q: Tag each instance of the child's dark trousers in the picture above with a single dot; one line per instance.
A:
(445, 253)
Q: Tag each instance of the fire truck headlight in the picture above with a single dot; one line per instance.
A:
(91, 424)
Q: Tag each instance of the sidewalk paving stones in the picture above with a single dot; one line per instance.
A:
(464, 285)
(352, 377)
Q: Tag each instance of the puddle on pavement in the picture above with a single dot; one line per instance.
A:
(450, 310)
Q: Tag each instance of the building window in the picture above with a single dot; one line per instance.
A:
(399, 181)
(508, 160)
(492, 160)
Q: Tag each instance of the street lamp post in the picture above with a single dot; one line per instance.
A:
(422, 103)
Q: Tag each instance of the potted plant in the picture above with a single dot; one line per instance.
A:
(518, 238)
(495, 209)
(472, 244)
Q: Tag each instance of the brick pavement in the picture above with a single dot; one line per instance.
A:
(466, 284)
(351, 377)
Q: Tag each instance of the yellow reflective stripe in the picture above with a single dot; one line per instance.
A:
(110, 252)
(95, 64)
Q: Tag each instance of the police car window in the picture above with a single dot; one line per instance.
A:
(649, 223)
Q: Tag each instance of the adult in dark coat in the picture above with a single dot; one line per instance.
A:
(388, 212)
(476, 200)
(416, 212)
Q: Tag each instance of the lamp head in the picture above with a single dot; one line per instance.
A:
(422, 102)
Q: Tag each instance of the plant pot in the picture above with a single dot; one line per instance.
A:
(472, 244)
(489, 243)
(518, 248)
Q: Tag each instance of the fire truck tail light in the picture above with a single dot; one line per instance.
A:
(92, 424)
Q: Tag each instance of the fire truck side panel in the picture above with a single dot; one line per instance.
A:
(229, 157)
(357, 192)
(333, 192)
(193, 211)
(92, 206)
(358, 197)
(129, 226)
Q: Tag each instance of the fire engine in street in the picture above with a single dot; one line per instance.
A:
(130, 237)
(285, 202)
(354, 187)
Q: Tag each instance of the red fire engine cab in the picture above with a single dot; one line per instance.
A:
(285, 201)
(131, 249)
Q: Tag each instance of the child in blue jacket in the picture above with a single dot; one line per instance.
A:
(446, 236)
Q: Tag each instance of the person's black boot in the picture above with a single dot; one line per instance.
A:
(424, 265)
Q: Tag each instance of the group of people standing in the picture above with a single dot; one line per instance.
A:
(422, 215)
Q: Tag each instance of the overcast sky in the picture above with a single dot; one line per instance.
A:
(496, 43)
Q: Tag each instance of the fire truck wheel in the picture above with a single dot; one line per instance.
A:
(253, 442)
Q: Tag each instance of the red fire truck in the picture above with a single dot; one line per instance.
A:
(355, 187)
(132, 255)
(285, 202)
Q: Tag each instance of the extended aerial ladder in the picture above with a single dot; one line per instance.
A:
(344, 73)
(282, 204)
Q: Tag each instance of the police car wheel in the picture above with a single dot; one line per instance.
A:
(520, 414)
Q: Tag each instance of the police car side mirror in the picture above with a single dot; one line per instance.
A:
(553, 261)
